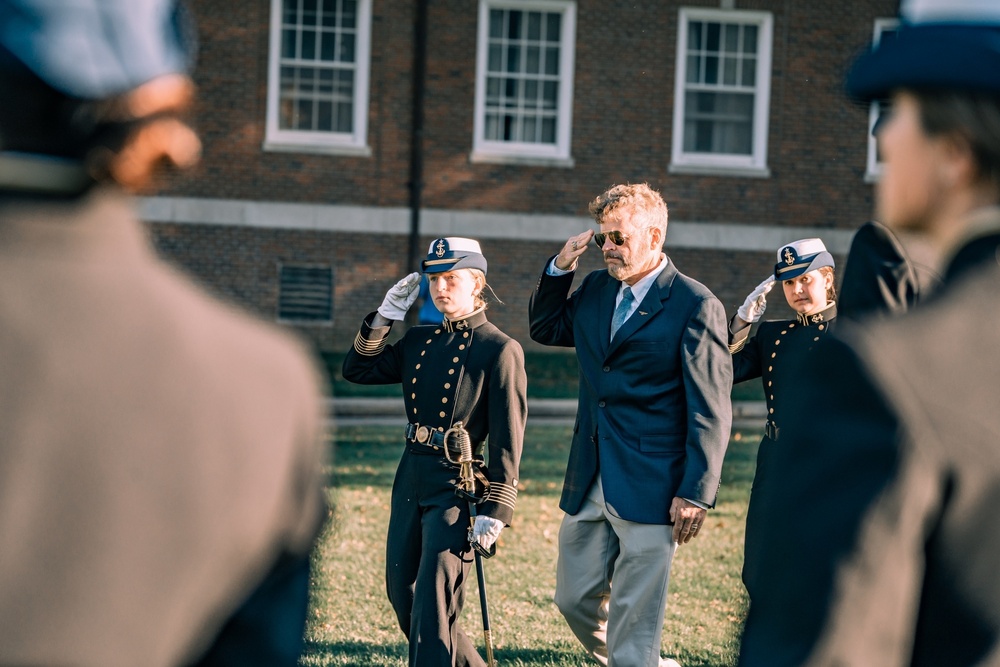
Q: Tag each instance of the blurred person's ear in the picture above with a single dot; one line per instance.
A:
(157, 136)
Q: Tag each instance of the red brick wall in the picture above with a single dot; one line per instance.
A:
(622, 131)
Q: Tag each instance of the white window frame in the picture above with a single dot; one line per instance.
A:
(754, 164)
(873, 167)
(507, 152)
(304, 141)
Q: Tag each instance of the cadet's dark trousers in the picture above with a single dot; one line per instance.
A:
(757, 517)
(427, 561)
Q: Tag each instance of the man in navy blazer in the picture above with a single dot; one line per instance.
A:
(653, 422)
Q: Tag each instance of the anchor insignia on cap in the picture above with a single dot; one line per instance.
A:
(789, 256)
(440, 248)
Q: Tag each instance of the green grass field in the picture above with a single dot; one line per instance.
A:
(351, 622)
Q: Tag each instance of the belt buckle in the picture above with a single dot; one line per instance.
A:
(423, 435)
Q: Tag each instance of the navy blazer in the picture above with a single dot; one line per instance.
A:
(654, 411)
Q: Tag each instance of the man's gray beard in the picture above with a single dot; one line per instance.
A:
(618, 270)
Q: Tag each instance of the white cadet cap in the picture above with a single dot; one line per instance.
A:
(453, 252)
(801, 257)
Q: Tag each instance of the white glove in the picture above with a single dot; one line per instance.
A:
(400, 297)
(756, 302)
(486, 530)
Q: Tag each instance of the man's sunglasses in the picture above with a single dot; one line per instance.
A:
(616, 237)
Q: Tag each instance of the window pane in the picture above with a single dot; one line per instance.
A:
(324, 116)
(534, 25)
(711, 69)
(548, 130)
(492, 130)
(712, 37)
(347, 48)
(731, 38)
(492, 90)
(493, 63)
(510, 87)
(749, 71)
(729, 71)
(288, 43)
(496, 23)
(514, 24)
(694, 35)
(750, 39)
(530, 129)
(552, 60)
(303, 115)
(692, 69)
(550, 94)
(533, 64)
(345, 117)
(553, 23)
(308, 45)
(531, 92)
(513, 58)
(327, 46)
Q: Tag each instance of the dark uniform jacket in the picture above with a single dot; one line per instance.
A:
(887, 552)
(774, 355)
(460, 371)
(160, 455)
(654, 411)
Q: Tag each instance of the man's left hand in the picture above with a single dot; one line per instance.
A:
(687, 518)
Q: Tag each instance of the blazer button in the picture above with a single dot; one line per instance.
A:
(601, 404)
(607, 369)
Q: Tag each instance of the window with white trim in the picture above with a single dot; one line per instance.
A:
(885, 28)
(318, 69)
(722, 91)
(524, 81)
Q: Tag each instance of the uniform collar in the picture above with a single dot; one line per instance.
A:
(471, 321)
(818, 317)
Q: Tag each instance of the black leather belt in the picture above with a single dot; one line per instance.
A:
(424, 435)
(771, 430)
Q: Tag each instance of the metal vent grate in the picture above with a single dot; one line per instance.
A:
(306, 294)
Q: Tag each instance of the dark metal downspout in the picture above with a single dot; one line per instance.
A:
(417, 133)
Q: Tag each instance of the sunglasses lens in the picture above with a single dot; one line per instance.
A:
(616, 237)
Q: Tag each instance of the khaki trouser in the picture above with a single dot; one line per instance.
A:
(623, 628)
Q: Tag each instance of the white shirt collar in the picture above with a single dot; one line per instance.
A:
(643, 285)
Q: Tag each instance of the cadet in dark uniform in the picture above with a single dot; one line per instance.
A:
(775, 354)
(893, 500)
(461, 370)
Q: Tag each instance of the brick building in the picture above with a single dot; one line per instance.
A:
(332, 128)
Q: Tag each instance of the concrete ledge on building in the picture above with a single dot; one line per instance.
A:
(389, 411)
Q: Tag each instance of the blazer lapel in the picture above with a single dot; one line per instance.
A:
(605, 312)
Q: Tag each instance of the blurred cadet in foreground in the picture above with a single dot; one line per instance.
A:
(892, 495)
(160, 484)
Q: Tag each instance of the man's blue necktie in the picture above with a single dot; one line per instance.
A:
(621, 312)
